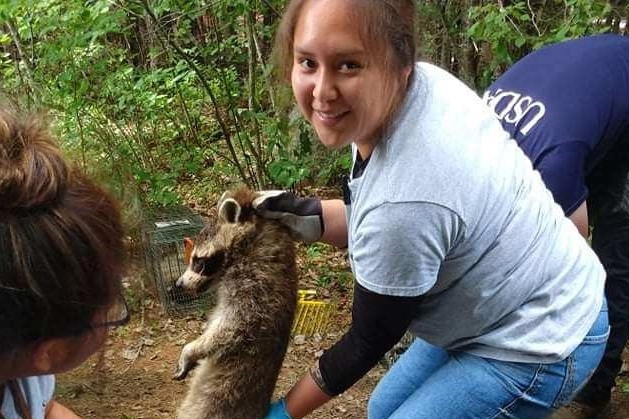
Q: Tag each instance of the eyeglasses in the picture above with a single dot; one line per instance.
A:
(117, 314)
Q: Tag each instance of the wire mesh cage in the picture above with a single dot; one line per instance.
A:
(163, 234)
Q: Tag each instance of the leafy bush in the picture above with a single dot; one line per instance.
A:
(511, 31)
(157, 97)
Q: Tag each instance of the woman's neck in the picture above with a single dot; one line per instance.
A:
(365, 150)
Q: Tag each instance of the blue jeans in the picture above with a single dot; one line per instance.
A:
(428, 382)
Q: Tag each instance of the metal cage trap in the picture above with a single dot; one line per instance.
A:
(163, 234)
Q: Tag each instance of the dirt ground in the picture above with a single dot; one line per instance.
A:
(131, 377)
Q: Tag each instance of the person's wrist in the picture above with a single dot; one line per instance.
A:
(282, 404)
(317, 377)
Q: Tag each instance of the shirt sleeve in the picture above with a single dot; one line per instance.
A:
(378, 323)
(38, 392)
(563, 170)
(398, 248)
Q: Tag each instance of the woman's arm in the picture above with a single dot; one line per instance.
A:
(55, 410)
(580, 218)
(304, 397)
(310, 219)
(334, 222)
(379, 321)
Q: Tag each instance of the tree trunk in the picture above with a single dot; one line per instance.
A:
(28, 65)
(469, 52)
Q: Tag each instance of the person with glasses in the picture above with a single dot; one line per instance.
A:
(567, 106)
(61, 263)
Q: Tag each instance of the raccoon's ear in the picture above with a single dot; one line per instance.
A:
(224, 196)
(188, 245)
(229, 210)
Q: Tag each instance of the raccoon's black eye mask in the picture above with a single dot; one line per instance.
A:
(209, 265)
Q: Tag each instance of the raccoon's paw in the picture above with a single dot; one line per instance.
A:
(183, 370)
(185, 364)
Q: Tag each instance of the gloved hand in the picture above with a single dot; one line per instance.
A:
(303, 216)
(278, 411)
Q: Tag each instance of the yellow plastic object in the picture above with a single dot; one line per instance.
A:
(312, 316)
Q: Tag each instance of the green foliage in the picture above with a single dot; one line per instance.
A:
(333, 166)
(159, 97)
(317, 261)
(342, 278)
(315, 251)
(512, 31)
(286, 173)
(152, 95)
(500, 26)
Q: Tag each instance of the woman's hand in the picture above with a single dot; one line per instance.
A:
(304, 216)
(55, 410)
(310, 219)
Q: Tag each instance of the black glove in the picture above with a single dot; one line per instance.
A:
(303, 216)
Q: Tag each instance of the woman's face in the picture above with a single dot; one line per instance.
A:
(77, 349)
(343, 98)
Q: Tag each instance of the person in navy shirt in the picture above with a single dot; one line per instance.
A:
(567, 106)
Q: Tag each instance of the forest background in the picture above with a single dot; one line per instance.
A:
(168, 99)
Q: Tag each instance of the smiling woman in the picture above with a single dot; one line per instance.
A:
(450, 233)
(346, 78)
(61, 261)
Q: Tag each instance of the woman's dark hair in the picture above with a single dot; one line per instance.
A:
(61, 238)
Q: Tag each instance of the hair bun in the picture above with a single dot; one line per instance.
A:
(33, 172)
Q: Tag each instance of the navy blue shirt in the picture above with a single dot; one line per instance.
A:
(566, 105)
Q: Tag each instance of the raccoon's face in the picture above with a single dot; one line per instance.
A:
(215, 247)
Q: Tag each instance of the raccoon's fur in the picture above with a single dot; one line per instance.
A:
(250, 261)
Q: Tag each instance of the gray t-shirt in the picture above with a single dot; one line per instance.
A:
(37, 393)
(449, 207)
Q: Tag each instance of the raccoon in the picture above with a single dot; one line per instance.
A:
(249, 261)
